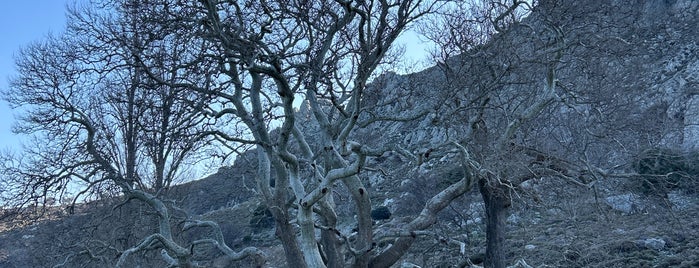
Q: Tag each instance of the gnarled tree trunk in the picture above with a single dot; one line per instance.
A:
(496, 201)
(286, 233)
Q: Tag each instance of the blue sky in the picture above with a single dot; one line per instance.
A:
(21, 22)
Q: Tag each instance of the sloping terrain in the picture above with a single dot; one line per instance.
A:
(648, 47)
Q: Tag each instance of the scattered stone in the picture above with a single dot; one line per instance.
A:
(476, 209)
(513, 219)
(554, 211)
(679, 201)
(625, 203)
(654, 243)
(476, 220)
(619, 231)
(529, 247)
(388, 202)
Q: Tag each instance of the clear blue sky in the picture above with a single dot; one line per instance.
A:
(21, 22)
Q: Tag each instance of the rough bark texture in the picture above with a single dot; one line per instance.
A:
(287, 235)
(496, 203)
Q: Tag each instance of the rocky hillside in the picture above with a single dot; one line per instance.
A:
(632, 70)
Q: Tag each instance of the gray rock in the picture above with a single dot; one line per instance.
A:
(625, 203)
(477, 220)
(513, 219)
(679, 201)
(619, 231)
(654, 243)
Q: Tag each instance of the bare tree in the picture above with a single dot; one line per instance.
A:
(266, 54)
(100, 136)
(104, 127)
(135, 88)
(526, 111)
(496, 103)
(270, 53)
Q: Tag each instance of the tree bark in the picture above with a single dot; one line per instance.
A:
(331, 249)
(330, 243)
(287, 235)
(496, 202)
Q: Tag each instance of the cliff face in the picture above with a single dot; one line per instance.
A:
(628, 80)
(642, 55)
(630, 68)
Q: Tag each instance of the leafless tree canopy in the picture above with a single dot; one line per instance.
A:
(135, 92)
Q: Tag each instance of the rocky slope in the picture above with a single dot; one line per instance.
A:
(639, 62)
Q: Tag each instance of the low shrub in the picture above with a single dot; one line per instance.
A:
(662, 170)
